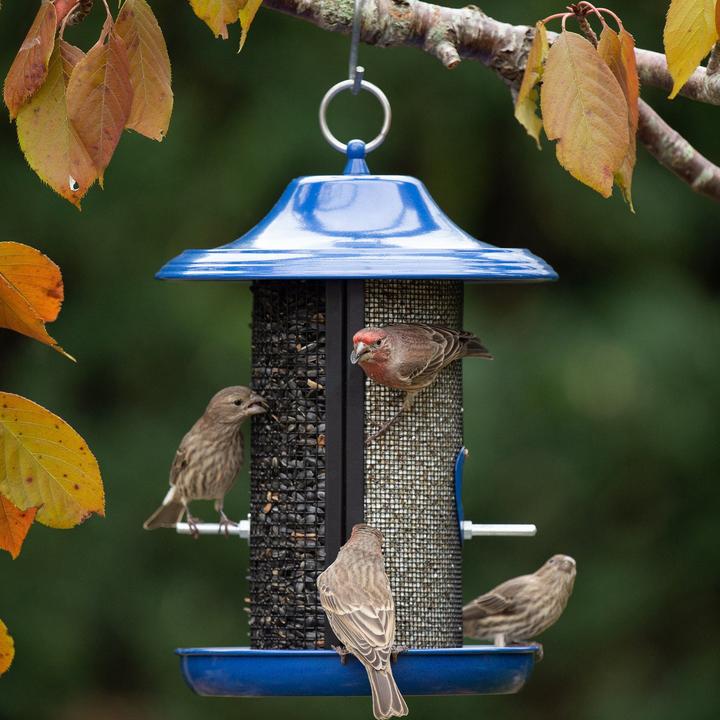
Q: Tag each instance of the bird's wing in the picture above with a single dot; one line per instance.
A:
(500, 600)
(491, 603)
(179, 462)
(421, 375)
(365, 626)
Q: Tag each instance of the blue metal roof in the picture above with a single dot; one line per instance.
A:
(357, 226)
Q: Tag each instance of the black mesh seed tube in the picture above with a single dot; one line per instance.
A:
(287, 477)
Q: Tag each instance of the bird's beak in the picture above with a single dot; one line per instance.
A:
(358, 351)
(256, 405)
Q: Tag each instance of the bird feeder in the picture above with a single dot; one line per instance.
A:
(338, 253)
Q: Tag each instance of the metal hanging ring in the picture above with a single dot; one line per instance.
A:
(348, 85)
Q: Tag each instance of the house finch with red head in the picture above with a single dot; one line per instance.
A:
(209, 458)
(355, 593)
(520, 609)
(410, 357)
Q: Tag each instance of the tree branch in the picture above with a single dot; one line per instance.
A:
(455, 34)
(675, 153)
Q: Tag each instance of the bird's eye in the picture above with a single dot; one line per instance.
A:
(378, 343)
(237, 402)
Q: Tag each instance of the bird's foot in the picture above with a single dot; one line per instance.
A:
(396, 651)
(384, 427)
(225, 524)
(539, 650)
(193, 525)
(342, 652)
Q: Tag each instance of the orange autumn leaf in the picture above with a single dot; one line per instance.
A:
(31, 292)
(48, 139)
(618, 51)
(30, 67)
(7, 649)
(99, 97)
(690, 32)
(246, 14)
(44, 463)
(152, 102)
(585, 110)
(217, 14)
(526, 104)
(14, 526)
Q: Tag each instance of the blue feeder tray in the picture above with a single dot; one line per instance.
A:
(242, 672)
(356, 226)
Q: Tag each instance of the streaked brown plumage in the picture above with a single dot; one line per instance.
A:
(410, 357)
(209, 457)
(355, 593)
(520, 609)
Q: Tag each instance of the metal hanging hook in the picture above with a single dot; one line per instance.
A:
(355, 83)
(356, 72)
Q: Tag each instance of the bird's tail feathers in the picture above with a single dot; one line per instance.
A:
(166, 516)
(386, 698)
(474, 348)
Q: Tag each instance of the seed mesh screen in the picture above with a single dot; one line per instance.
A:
(287, 477)
(409, 472)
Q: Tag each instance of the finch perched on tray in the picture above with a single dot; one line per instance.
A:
(355, 593)
(209, 458)
(410, 357)
(518, 610)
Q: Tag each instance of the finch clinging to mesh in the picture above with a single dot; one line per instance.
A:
(518, 610)
(209, 458)
(410, 357)
(355, 593)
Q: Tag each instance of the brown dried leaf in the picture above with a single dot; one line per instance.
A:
(690, 32)
(149, 69)
(14, 526)
(99, 98)
(48, 139)
(7, 649)
(217, 14)
(526, 104)
(584, 109)
(30, 67)
(246, 14)
(31, 292)
(618, 51)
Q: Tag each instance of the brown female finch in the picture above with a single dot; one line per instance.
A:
(410, 357)
(520, 609)
(355, 593)
(209, 458)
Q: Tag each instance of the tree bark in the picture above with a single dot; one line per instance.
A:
(455, 34)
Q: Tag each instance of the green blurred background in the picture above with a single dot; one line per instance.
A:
(598, 420)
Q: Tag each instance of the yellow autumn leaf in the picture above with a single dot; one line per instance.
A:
(30, 67)
(526, 104)
(690, 32)
(246, 14)
(618, 51)
(31, 292)
(14, 526)
(48, 139)
(99, 97)
(217, 14)
(7, 649)
(585, 110)
(44, 463)
(152, 101)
